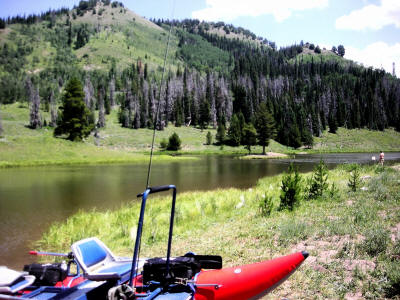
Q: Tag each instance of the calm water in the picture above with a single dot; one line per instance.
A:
(32, 198)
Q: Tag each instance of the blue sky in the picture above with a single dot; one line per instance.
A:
(368, 29)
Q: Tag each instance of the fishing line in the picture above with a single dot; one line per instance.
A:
(156, 119)
(159, 99)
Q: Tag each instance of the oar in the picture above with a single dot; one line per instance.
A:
(69, 255)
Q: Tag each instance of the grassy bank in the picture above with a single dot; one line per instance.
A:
(358, 140)
(22, 146)
(353, 237)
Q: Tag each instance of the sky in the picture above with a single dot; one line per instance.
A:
(368, 29)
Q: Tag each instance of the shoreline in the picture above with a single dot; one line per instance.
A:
(165, 157)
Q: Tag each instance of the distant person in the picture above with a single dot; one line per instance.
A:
(381, 158)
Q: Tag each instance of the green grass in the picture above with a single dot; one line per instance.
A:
(358, 140)
(352, 237)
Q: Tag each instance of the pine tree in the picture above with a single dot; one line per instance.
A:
(74, 114)
(318, 183)
(204, 114)
(341, 50)
(290, 189)
(294, 136)
(221, 133)
(333, 127)
(234, 131)
(265, 126)
(249, 136)
(209, 138)
(174, 142)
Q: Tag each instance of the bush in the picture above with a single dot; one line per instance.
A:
(292, 232)
(290, 189)
(163, 144)
(354, 180)
(174, 142)
(317, 185)
(266, 205)
(376, 241)
(209, 138)
(392, 286)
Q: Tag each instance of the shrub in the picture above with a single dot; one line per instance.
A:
(266, 205)
(392, 286)
(209, 138)
(354, 180)
(291, 232)
(376, 241)
(163, 144)
(174, 142)
(318, 183)
(290, 189)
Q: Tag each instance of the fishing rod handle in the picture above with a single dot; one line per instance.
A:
(158, 189)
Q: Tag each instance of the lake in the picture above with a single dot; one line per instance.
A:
(33, 198)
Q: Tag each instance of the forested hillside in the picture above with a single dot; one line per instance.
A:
(217, 75)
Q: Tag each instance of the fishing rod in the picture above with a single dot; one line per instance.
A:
(159, 101)
(135, 260)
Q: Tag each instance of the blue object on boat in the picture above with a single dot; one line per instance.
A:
(98, 262)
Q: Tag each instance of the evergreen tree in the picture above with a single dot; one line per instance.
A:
(294, 137)
(74, 114)
(290, 189)
(234, 131)
(174, 142)
(265, 126)
(341, 50)
(307, 138)
(221, 133)
(333, 127)
(242, 123)
(249, 136)
(397, 126)
(69, 42)
(318, 183)
(209, 138)
(354, 180)
(204, 114)
(2, 24)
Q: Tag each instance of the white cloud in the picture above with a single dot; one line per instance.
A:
(372, 16)
(228, 10)
(377, 55)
